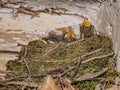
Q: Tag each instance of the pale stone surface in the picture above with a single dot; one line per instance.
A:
(109, 23)
(4, 58)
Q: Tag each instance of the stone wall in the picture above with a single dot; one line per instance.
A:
(108, 21)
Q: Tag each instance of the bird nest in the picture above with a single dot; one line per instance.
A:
(69, 60)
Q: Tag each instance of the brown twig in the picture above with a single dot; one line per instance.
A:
(51, 50)
(7, 72)
(28, 68)
(66, 71)
(114, 57)
(2, 84)
(66, 84)
(55, 70)
(26, 63)
(89, 76)
(74, 14)
(98, 57)
(24, 10)
(7, 51)
(75, 42)
(88, 54)
(19, 44)
(112, 62)
(13, 78)
(76, 69)
(98, 86)
(22, 83)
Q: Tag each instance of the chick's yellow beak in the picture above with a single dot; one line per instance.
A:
(69, 35)
(85, 22)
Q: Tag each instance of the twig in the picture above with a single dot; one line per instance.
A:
(98, 86)
(89, 76)
(13, 78)
(99, 57)
(92, 52)
(28, 68)
(75, 42)
(19, 44)
(73, 14)
(88, 54)
(114, 57)
(51, 50)
(11, 52)
(27, 11)
(26, 63)
(76, 69)
(20, 78)
(62, 74)
(52, 61)
(66, 84)
(112, 61)
(55, 70)
(2, 84)
(23, 58)
(22, 83)
(6, 72)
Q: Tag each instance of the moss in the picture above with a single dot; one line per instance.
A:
(110, 73)
(16, 67)
(87, 85)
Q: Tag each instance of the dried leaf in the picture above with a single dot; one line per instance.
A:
(49, 84)
(67, 84)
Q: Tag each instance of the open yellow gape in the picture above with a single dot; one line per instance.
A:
(69, 35)
(85, 22)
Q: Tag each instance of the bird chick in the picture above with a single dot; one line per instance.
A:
(69, 36)
(86, 29)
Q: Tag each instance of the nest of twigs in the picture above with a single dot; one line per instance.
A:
(74, 60)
